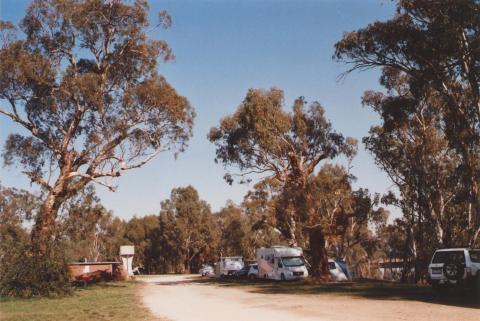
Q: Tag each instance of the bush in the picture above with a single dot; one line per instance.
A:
(25, 273)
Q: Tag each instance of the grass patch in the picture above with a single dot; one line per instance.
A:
(107, 301)
(378, 290)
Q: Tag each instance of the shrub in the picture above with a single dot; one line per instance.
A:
(25, 273)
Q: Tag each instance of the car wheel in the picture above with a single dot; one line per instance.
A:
(282, 277)
(452, 271)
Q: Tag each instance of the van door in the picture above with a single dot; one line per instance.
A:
(278, 268)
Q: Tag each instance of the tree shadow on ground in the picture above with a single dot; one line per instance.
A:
(376, 290)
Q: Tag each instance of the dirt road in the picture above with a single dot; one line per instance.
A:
(181, 298)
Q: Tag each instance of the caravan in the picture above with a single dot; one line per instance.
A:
(228, 266)
(281, 263)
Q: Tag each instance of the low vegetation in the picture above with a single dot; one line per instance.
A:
(110, 301)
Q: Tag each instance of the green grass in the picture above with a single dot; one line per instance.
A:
(108, 301)
(376, 290)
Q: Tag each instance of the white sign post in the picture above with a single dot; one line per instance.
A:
(126, 253)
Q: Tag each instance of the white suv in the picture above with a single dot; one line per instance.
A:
(459, 266)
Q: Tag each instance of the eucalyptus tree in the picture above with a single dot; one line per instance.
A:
(434, 45)
(263, 141)
(82, 86)
(235, 232)
(193, 229)
(411, 147)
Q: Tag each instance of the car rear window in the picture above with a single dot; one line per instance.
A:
(475, 256)
(331, 265)
(449, 256)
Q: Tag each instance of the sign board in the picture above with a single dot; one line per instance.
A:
(127, 250)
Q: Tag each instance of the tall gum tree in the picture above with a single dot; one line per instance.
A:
(83, 86)
(435, 44)
(263, 141)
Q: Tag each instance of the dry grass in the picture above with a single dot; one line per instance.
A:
(109, 301)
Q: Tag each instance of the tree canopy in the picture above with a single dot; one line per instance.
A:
(83, 85)
(431, 49)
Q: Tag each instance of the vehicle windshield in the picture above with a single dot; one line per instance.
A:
(293, 261)
(475, 256)
(449, 257)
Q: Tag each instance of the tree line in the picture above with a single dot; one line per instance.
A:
(87, 116)
(185, 234)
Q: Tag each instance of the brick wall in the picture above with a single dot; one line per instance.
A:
(77, 270)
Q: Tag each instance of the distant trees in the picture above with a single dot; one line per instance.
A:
(90, 230)
(138, 231)
(194, 227)
(83, 86)
(236, 232)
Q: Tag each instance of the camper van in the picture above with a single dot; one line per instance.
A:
(228, 265)
(281, 263)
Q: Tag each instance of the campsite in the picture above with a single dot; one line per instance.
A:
(239, 160)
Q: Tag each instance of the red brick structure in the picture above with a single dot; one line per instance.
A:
(78, 269)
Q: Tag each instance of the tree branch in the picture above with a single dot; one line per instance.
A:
(38, 179)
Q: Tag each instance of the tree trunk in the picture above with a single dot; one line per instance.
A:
(319, 254)
(292, 241)
(476, 223)
(45, 223)
(475, 237)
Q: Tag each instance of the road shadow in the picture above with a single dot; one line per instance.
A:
(376, 290)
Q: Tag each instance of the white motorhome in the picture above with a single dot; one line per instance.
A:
(281, 263)
(228, 265)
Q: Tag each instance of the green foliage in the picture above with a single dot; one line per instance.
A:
(25, 273)
(182, 237)
(190, 218)
(429, 139)
(16, 207)
(82, 85)
(139, 232)
(262, 138)
(88, 229)
(236, 232)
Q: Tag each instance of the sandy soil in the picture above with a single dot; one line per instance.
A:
(180, 298)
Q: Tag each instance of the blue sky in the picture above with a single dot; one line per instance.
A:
(222, 49)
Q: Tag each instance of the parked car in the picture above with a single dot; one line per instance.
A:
(253, 271)
(456, 266)
(336, 271)
(206, 270)
(137, 270)
(243, 272)
(228, 266)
